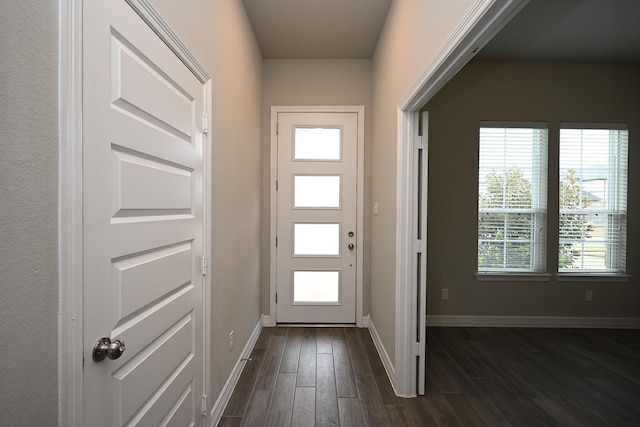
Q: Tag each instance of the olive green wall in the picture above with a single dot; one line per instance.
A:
(544, 92)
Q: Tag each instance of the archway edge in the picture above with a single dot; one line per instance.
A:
(484, 20)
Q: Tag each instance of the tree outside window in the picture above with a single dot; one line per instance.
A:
(511, 233)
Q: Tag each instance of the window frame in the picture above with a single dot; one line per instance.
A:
(538, 208)
(616, 204)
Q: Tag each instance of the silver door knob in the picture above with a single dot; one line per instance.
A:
(351, 246)
(104, 348)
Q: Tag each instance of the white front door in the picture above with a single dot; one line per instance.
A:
(143, 224)
(316, 217)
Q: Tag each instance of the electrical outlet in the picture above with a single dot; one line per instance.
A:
(589, 295)
(445, 293)
(231, 341)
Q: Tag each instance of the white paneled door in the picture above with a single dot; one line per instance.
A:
(143, 225)
(316, 217)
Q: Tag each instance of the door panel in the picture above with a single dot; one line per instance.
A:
(316, 239)
(145, 91)
(143, 223)
(316, 217)
(316, 191)
(316, 287)
(167, 268)
(137, 175)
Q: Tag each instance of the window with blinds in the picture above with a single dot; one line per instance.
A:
(593, 198)
(512, 197)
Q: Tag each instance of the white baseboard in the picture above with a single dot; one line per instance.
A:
(535, 322)
(267, 322)
(382, 352)
(365, 321)
(229, 386)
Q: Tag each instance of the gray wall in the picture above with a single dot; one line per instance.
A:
(522, 92)
(28, 222)
(309, 82)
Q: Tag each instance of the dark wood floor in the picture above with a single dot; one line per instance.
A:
(476, 377)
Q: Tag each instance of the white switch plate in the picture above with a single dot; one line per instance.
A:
(445, 294)
(375, 208)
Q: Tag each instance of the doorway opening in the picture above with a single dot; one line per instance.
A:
(482, 23)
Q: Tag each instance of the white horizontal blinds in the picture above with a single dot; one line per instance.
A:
(512, 197)
(593, 198)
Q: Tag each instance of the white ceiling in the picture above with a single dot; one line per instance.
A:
(317, 29)
(545, 30)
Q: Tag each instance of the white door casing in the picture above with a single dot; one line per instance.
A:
(336, 260)
(143, 222)
(420, 170)
(316, 238)
(480, 24)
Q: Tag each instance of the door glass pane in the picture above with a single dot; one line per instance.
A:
(317, 144)
(316, 239)
(316, 191)
(316, 286)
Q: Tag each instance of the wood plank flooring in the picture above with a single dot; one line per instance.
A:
(475, 377)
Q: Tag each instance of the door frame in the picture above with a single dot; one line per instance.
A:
(271, 319)
(70, 201)
(484, 19)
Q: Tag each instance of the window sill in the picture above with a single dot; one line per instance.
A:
(592, 277)
(513, 277)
